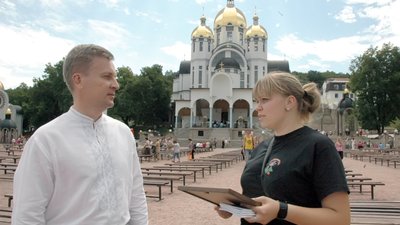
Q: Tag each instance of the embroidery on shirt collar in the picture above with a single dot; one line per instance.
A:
(269, 168)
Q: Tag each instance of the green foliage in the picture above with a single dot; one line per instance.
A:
(375, 80)
(395, 124)
(50, 96)
(145, 99)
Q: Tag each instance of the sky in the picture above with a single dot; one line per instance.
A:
(316, 35)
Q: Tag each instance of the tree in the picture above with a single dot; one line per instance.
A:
(50, 96)
(145, 99)
(124, 99)
(158, 95)
(375, 78)
(21, 96)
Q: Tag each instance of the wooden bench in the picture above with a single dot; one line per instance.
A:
(8, 177)
(375, 212)
(217, 165)
(182, 174)
(353, 174)
(361, 184)
(194, 170)
(10, 198)
(5, 169)
(5, 215)
(171, 179)
(15, 158)
(173, 165)
(360, 179)
(146, 157)
(159, 184)
(5, 212)
(183, 168)
(226, 162)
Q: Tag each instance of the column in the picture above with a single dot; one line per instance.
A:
(176, 121)
(251, 118)
(230, 117)
(211, 121)
(191, 118)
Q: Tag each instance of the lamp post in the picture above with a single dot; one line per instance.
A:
(170, 132)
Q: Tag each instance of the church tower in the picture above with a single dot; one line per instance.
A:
(214, 89)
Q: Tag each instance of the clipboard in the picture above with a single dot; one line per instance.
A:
(219, 195)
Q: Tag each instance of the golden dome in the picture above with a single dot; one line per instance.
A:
(1, 86)
(202, 30)
(346, 91)
(8, 112)
(256, 29)
(230, 15)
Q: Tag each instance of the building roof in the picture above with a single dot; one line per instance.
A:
(202, 30)
(7, 124)
(184, 67)
(230, 15)
(278, 65)
(256, 30)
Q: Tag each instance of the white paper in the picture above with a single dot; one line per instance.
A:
(237, 211)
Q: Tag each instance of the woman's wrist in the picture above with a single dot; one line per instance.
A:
(282, 211)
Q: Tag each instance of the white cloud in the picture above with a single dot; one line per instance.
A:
(152, 16)
(317, 65)
(179, 50)
(27, 47)
(110, 3)
(387, 27)
(59, 25)
(8, 8)
(23, 47)
(272, 56)
(109, 34)
(368, 2)
(51, 3)
(127, 11)
(336, 50)
(202, 2)
(346, 15)
(194, 22)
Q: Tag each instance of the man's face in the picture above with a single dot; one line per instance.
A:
(99, 85)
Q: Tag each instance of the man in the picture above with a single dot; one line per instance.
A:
(248, 144)
(82, 167)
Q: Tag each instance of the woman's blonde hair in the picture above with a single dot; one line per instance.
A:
(286, 84)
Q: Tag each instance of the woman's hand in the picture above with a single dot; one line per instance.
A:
(266, 212)
(222, 213)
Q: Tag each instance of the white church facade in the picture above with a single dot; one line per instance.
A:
(214, 89)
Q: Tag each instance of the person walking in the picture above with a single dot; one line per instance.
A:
(177, 152)
(248, 144)
(339, 147)
(191, 149)
(82, 167)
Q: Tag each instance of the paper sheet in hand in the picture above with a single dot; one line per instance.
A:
(219, 195)
(237, 211)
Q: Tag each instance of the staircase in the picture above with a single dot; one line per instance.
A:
(220, 134)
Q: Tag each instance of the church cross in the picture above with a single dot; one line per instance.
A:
(221, 65)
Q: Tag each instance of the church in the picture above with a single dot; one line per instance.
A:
(212, 93)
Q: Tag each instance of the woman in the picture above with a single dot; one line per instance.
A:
(302, 179)
(339, 147)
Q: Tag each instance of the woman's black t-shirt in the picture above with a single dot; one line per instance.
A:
(302, 169)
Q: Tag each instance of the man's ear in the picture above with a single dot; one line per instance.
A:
(77, 79)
